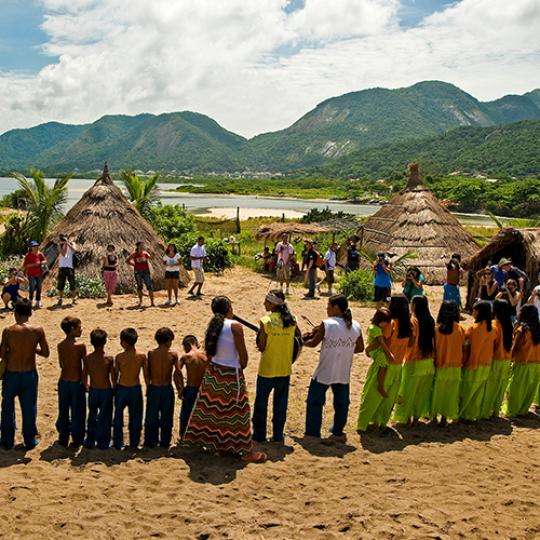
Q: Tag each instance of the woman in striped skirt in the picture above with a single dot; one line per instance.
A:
(221, 418)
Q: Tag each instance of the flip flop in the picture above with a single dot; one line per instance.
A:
(255, 457)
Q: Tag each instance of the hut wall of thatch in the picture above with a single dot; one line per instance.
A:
(104, 216)
(521, 246)
(415, 222)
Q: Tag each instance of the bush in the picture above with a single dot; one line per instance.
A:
(171, 221)
(16, 237)
(218, 252)
(87, 287)
(357, 285)
(316, 216)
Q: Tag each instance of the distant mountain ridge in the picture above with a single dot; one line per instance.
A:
(194, 143)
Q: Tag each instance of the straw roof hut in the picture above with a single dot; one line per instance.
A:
(521, 246)
(274, 231)
(415, 222)
(104, 216)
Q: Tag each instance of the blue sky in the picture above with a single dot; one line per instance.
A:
(21, 36)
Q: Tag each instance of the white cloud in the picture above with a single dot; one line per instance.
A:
(219, 57)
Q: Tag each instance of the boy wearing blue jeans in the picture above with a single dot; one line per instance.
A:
(159, 392)
(71, 394)
(21, 342)
(195, 361)
(99, 381)
(127, 371)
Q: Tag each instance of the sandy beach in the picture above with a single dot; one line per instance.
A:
(476, 480)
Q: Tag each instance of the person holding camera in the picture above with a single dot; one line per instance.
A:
(413, 284)
(382, 279)
(489, 288)
(66, 269)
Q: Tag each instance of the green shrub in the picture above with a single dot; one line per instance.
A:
(87, 287)
(16, 236)
(357, 285)
(171, 221)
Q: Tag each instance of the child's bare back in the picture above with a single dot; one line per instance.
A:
(128, 366)
(161, 363)
(98, 366)
(195, 362)
(70, 358)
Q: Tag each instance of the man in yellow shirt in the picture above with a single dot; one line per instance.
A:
(275, 340)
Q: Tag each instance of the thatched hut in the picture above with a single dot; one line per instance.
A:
(521, 246)
(274, 231)
(105, 216)
(415, 222)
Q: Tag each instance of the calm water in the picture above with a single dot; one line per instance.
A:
(199, 203)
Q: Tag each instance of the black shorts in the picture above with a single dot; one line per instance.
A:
(382, 294)
(172, 275)
(66, 274)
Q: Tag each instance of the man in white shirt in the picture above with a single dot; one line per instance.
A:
(197, 257)
(329, 265)
(66, 269)
(285, 254)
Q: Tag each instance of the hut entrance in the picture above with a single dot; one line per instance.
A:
(513, 249)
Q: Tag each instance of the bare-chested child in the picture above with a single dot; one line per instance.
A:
(195, 361)
(127, 371)
(71, 395)
(160, 394)
(98, 379)
(21, 342)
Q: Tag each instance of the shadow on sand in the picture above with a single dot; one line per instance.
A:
(328, 447)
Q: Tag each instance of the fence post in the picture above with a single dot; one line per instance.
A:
(238, 219)
(283, 217)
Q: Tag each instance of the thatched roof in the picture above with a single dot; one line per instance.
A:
(274, 231)
(414, 221)
(105, 216)
(521, 246)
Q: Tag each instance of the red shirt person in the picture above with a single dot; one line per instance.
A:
(139, 260)
(33, 267)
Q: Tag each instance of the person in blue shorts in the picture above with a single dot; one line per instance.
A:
(382, 280)
(453, 277)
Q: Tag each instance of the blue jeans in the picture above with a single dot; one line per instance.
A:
(130, 397)
(312, 272)
(100, 406)
(71, 412)
(34, 286)
(159, 415)
(315, 402)
(24, 385)
(265, 385)
(188, 400)
(143, 276)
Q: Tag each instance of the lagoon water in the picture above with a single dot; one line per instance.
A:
(225, 205)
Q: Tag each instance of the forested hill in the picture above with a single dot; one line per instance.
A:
(509, 150)
(339, 134)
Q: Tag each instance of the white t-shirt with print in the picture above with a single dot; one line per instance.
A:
(197, 251)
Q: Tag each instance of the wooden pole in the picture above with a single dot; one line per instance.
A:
(238, 219)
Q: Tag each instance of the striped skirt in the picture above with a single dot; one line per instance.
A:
(221, 417)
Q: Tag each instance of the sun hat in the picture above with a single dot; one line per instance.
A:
(33, 243)
(504, 262)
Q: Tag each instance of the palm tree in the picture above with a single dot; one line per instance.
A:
(142, 192)
(44, 202)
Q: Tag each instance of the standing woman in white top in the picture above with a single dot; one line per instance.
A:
(340, 338)
(66, 269)
(172, 273)
(221, 417)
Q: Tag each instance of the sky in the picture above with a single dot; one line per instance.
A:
(252, 65)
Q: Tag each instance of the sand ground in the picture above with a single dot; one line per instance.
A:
(467, 481)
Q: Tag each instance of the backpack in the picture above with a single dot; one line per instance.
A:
(319, 263)
(77, 259)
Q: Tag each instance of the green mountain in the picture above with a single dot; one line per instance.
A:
(183, 141)
(189, 142)
(509, 150)
(360, 120)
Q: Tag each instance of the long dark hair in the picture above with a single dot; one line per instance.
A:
(528, 317)
(502, 311)
(426, 325)
(342, 303)
(483, 309)
(283, 309)
(448, 315)
(399, 310)
(221, 305)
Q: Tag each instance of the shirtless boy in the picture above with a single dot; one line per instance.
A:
(195, 361)
(71, 395)
(21, 342)
(98, 367)
(127, 370)
(159, 393)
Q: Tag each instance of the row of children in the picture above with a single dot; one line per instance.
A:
(444, 371)
(112, 383)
